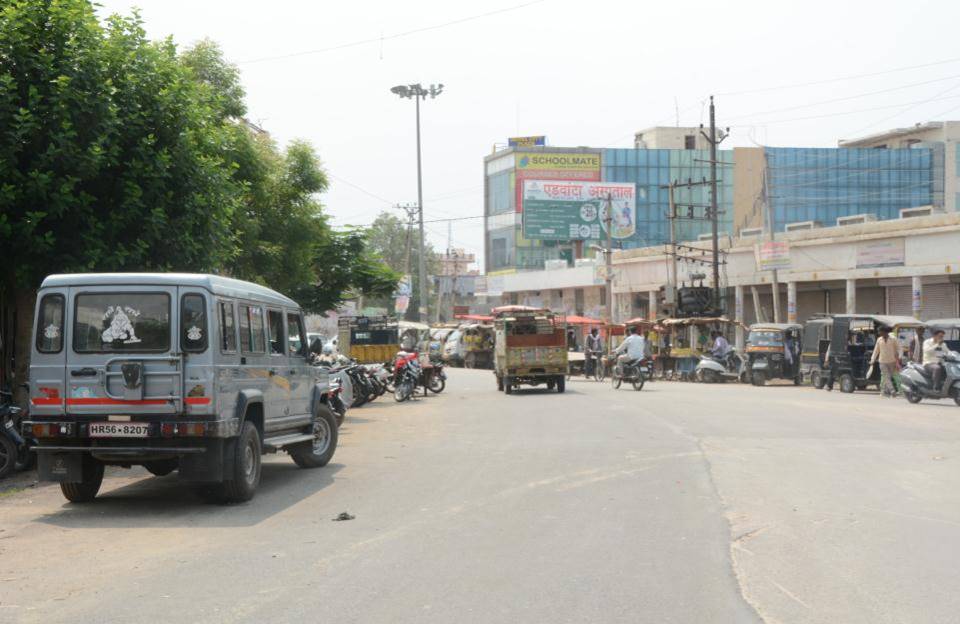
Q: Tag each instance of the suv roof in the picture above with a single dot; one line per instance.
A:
(216, 284)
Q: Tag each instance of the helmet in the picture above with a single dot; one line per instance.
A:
(328, 349)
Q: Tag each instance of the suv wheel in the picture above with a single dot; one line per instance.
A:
(320, 450)
(243, 474)
(85, 490)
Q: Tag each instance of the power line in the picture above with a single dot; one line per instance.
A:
(840, 79)
(851, 112)
(381, 39)
(849, 97)
(361, 189)
(910, 107)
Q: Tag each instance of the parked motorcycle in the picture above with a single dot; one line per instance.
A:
(635, 372)
(15, 452)
(712, 369)
(406, 375)
(917, 384)
(335, 399)
(438, 380)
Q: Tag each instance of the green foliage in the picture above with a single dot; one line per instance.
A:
(111, 153)
(390, 239)
(118, 153)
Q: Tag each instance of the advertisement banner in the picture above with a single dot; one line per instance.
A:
(560, 210)
(400, 304)
(527, 141)
(772, 255)
(880, 253)
(554, 166)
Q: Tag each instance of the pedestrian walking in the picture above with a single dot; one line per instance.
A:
(886, 354)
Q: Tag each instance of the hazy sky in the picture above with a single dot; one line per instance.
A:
(582, 73)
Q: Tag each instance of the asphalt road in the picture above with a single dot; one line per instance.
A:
(681, 503)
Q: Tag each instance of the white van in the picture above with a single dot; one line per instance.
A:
(196, 373)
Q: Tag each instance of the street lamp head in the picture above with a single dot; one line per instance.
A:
(401, 90)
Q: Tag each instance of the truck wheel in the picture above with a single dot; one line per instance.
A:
(243, 471)
(507, 385)
(561, 384)
(758, 379)
(162, 467)
(86, 490)
(499, 383)
(319, 452)
(847, 384)
(816, 378)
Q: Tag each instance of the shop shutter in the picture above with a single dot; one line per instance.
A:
(899, 301)
(939, 301)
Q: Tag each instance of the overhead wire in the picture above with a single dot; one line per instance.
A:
(399, 35)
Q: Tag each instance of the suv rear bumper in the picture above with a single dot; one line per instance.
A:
(161, 428)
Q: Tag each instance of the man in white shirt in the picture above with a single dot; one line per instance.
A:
(720, 346)
(633, 348)
(933, 351)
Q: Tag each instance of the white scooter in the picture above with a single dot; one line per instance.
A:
(715, 370)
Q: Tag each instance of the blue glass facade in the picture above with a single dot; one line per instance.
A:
(650, 169)
(821, 184)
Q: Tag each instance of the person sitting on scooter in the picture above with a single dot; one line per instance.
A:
(633, 349)
(720, 346)
(933, 351)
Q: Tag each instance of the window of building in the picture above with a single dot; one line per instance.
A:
(689, 141)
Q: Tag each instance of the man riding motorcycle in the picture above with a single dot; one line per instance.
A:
(633, 349)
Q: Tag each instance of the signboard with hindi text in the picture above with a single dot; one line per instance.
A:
(563, 211)
(772, 255)
(527, 141)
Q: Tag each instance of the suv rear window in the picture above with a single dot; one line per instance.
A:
(121, 322)
(50, 324)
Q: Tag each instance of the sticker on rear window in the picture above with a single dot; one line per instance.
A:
(120, 329)
(51, 331)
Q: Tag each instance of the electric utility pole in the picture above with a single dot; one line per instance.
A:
(714, 138)
(608, 277)
(416, 92)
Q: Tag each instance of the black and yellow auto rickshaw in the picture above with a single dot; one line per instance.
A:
(816, 341)
(773, 352)
(852, 340)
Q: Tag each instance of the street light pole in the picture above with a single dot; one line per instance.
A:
(422, 268)
(417, 91)
(609, 260)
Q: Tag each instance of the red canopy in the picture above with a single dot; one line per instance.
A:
(582, 320)
(509, 309)
(481, 318)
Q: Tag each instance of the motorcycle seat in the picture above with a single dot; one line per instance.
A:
(920, 369)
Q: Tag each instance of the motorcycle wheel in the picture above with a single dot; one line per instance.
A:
(847, 384)
(8, 456)
(402, 392)
(638, 383)
(956, 397)
(913, 397)
(437, 384)
(616, 381)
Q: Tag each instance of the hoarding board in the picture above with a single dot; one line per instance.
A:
(554, 166)
(880, 253)
(563, 210)
(772, 255)
(527, 141)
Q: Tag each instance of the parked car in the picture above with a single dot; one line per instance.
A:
(173, 372)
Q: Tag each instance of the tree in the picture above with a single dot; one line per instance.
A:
(110, 153)
(390, 238)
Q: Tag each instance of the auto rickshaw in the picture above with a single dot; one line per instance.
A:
(816, 341)
(773, 352)
(530, 348)
(851, 346)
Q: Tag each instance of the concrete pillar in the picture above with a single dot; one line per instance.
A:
(738, 315)
(851, 296)
(791, 302)
(652, 308)
(916, 288)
